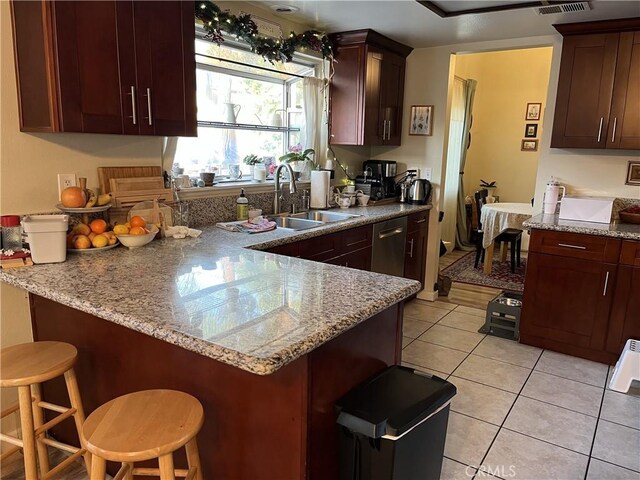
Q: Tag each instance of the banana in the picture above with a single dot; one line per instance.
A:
(104, 199)
(92, 199)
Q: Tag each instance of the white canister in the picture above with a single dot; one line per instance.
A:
(47, 237)
(260, 173)
(551, 197)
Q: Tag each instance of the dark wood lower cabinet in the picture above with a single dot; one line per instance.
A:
(359, 259)
(415, 255)
(570, 302)
(625, 314)
(581, 295)
(271, 427)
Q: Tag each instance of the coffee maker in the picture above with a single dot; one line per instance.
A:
(382, 172)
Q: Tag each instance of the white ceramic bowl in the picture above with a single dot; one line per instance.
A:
(133, 241)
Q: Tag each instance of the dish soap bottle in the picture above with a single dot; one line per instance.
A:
(242, 206)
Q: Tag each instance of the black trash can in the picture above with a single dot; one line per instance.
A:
(393, 426)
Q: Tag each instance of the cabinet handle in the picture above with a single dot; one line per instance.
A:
(346, 264)
(615, 124)
(606, 283)
(421, 221)
(577, 247)
(133, 104)
(384, 129)
(600, 129)
(149, 105)
(411, 249)
(389, 130)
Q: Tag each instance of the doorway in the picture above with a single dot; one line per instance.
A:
(501, 145)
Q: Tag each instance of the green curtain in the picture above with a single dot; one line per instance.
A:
(462, 234)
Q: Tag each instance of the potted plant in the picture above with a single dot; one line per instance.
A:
(300, 160)
(252, 160)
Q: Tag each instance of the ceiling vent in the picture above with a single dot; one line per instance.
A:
(564, 8)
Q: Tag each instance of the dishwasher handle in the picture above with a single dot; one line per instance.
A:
(391, 232)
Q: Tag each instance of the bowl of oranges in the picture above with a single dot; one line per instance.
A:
(135, 233)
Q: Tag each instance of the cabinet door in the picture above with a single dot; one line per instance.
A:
(374, 127)
(624, 123)
(391, 97)
(625, 312)
(347, 94)
(289, 250)
(358, 259)
(415, 255)
(585, 87)
(93, 60)
(567, 300)
(165, 59)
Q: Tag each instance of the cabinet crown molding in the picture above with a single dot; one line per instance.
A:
(602, 26)
(371, 37)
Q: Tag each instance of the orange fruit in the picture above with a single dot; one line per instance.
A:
(73, 197)
(137, 231)
(81, 242)
(98, 225)
(137, 221)
(82, 229)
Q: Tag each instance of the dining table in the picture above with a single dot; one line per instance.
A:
(495, 219)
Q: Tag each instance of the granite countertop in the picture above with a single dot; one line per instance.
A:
(218, 296)
(615, 229)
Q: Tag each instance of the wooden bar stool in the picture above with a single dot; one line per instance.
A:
(143, 426)
(26, 366)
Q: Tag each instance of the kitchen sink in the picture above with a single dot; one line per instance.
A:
(324, 216)
(296, 223)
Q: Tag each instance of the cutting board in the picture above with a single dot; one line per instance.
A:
(136, 183)
(105, 174)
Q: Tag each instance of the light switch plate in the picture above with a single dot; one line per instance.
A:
(427, 173)
(65, 180)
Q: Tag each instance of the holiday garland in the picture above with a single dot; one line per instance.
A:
(215, 21)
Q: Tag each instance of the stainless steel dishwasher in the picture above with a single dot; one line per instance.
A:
(389, 240)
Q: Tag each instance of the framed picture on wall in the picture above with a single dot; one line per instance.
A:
(529, 145)
(531, 130)
(633, 173)
(533, 111)
(421, 120)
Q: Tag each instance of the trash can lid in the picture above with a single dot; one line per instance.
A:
(393, 402)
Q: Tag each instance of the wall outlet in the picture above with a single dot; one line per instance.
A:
(427, 173)
(65, 180)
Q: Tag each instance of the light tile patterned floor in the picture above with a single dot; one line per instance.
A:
(521, 412)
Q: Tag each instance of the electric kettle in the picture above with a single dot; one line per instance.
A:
(419, 192)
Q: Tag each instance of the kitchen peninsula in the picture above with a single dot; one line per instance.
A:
(267, 343)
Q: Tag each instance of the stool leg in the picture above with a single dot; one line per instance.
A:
(38, 421)
(519, 253)
(76, 402)
(98, 468)
(193, 457)
(129, 474)
(166, 467)
(513, 256)
(28, 433)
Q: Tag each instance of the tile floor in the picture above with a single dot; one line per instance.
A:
(521, 412)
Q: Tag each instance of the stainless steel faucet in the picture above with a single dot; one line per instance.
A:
(278, 192)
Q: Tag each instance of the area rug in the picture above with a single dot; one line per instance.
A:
(501, 277)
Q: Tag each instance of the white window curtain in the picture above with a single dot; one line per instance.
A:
(315, 130)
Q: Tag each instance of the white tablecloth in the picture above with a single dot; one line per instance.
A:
(497, 217)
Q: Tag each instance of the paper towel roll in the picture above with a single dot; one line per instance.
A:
(319, 188)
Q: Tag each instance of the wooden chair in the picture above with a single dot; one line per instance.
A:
(26, 366)
(510, 236)
(143, 426)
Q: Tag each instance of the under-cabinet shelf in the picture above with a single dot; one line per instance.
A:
(246, 126)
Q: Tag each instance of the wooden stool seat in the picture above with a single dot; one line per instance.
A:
(26, 366)
(143, 426)
(35, 362)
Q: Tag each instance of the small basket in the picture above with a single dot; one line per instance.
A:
(627, 217)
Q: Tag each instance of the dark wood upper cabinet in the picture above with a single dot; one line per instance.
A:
(598, 100)
(105, 67)
(367, 89)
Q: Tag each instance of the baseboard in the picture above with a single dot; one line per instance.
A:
(428, 296)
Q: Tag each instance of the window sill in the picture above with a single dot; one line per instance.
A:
(227, 189)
